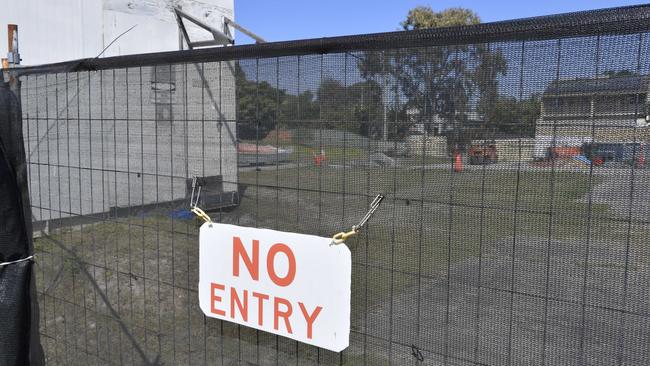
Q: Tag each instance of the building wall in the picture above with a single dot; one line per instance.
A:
(598, 134)
(518, 149)
(433, 145)
(117, 138)
(54, 31)
(102, 136)
(566, 134)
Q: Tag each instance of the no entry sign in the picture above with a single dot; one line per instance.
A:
(294, 285)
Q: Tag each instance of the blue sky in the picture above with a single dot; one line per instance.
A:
(299, 19)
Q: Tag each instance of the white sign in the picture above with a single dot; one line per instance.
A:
(293, 285)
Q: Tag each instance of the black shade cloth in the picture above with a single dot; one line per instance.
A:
(19, 337)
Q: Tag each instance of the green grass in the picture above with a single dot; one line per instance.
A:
(331, 153)
(486, 207)
(411, 233)
(539, 192)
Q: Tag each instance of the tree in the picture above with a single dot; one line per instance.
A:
(423, 17)
(513, 117)
(442, 81)
(261, 106)
(297, 108)
(359, 102)
(257, 107)
(491, 64)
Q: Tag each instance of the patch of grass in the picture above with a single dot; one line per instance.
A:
(429, 220)
(337, 154)
(530, 191)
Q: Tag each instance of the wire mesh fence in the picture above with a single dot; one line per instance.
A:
(514, 229)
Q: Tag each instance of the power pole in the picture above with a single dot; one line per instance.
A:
(383, 98)
(13, 57)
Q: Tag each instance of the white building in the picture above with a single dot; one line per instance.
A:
(62, 30)
(106, 140)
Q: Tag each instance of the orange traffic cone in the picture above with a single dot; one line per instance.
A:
(319, 159)
(458, 163)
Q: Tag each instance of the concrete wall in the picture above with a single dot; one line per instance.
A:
(61, 30)
(102, 139)
(508, 149)
(512, 149)
(433, 145)
(576, 135)
(515, 149)
(598, 134)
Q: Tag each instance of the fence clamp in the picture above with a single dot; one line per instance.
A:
(29, 258)
(342, 236)
(194, 201)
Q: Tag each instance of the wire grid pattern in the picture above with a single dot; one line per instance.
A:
(539, 258)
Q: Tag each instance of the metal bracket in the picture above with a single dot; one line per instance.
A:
(219, 38)
(254, 36)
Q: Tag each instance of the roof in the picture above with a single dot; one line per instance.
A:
(604, 85)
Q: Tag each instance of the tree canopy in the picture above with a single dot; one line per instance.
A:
(261, 106)
(422, 17)
(457, 84)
